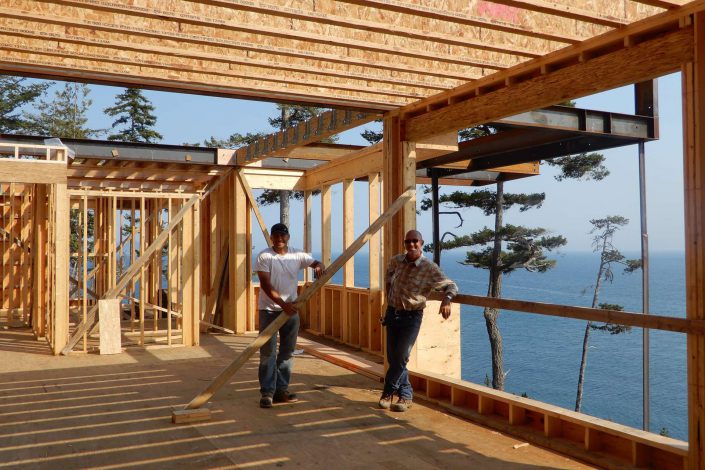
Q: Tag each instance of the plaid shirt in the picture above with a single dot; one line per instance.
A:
(409, 283)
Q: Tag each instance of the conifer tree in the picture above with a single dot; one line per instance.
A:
(65, 115)
(15, 93)
(604, 230)
(134, 111)
(501, 251)
(526, 247)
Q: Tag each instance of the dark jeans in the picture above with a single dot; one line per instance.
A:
(402, 330)
(275, 367)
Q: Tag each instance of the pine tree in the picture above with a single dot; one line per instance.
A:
(604, 230)
(501, 251)
(65, 115)
(520, 241)
(134, 111)
(15, 94)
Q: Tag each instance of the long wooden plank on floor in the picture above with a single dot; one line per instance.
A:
(273, 327)
(343, 359)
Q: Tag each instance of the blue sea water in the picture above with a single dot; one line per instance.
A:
(542, 353)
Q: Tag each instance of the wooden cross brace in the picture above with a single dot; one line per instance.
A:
(193, 411)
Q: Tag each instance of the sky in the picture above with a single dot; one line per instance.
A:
(569, 206)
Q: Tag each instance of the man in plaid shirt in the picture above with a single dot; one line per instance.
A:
(410, 278)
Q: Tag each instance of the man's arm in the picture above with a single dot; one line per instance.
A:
(265, 286)
(449, 288)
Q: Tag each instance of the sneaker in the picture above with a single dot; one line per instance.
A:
(284, 396)
(385, 401)
(402, 404)
(265, 401)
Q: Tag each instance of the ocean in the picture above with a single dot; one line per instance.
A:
(542, 353)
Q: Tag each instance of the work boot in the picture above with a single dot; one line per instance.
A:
(385, 401)
(284, 396)
(265, 401)
(402, 404)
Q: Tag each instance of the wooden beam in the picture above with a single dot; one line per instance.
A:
(315, 129)
(273, 327)
(236, 30)
(492, 19)
(267, 178)
(32, 171)
(567, 11)
(639, 320)
(649, 59)
(414, 27)
(358, 165)
(693, 77)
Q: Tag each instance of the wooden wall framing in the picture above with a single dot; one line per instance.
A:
(533, 71)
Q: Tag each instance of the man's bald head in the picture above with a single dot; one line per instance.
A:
(414, 235)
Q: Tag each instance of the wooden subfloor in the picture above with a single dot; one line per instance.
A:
(91, 411)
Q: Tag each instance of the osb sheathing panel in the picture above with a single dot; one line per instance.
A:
(221, 32)
(210, 66)
(376, 52)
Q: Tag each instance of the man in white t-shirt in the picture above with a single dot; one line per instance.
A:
(278, 271)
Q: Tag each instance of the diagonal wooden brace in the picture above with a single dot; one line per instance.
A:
(273, 327)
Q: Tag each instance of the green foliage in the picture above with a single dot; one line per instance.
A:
(14, 94)
(584, 166)
(65, 115)
(476, 132)
(134, 111)
(372, 136)
(291, 115)
(235, 141)
(604, 230)
(486, 200)
(611, 328)
(525, 248)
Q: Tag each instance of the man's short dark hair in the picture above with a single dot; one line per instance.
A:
(279, 228)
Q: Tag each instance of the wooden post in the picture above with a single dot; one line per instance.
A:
(326, 325)
(374, 333)
(308, 201)
(237, 265)
(60, 218)
(189, 279)
(693, 76)
(39, 248)
(347, 322)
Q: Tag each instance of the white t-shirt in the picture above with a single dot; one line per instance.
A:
(283, 274)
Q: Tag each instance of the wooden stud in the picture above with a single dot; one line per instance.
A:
(693, 76)
(61, 266)
(39, 299)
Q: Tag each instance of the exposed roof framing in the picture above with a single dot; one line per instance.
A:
(365, 54)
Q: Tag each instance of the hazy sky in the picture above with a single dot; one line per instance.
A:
(568, 207)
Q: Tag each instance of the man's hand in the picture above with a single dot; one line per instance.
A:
(290, 308)
(444, 311)
(318, 270)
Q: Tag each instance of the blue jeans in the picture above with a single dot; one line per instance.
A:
(275, 368)
(402, 330)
